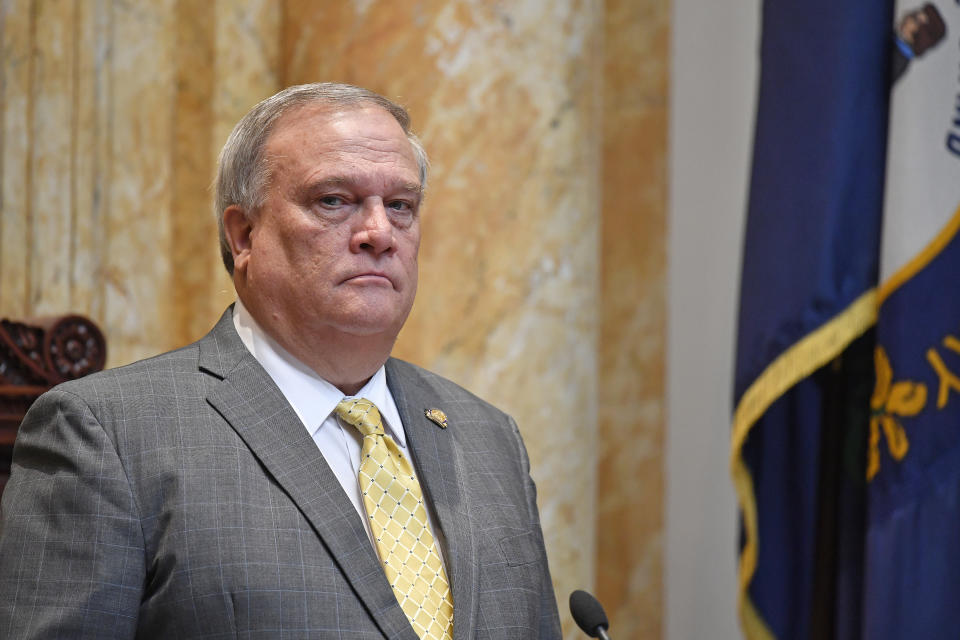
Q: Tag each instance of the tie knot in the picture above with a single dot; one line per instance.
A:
(362, 414)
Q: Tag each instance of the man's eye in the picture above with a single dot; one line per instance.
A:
(331, 201)
(399, 205)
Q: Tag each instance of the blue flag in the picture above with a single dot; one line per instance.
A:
(846, 440)
(912, 564)
(808, 293)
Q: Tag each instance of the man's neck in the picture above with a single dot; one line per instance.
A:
(344, 360)
(347, 362)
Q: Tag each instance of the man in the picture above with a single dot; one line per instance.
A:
(258, 483)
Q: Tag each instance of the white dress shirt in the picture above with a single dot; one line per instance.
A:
(314, 399)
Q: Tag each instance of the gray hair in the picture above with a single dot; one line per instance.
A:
(242, 172)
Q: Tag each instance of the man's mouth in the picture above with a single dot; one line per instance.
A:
(375, 278)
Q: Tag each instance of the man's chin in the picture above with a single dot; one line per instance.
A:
(359, 330)
(370, 324)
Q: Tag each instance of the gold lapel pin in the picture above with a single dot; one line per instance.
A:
(437, 416)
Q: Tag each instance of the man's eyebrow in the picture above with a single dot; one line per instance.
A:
(413, 187)
(333, 181)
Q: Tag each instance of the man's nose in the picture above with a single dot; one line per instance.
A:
(375, 231)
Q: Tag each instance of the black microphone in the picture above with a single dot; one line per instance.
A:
(588, 614)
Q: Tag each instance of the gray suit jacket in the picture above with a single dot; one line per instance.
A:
(181, 497)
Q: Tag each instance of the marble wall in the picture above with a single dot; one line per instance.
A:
(542, 264)
(632, 353)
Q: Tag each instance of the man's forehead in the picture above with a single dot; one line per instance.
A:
(320, 129)
(363, 149)
(320, 120)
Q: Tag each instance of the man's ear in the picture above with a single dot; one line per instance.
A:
(238, 229)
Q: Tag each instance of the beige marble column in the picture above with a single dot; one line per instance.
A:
(193, 131)
(633, 329)
(506, 97)
(91, 123)
(52, 84)
(15, 159)
(112, 116)
(137, 265)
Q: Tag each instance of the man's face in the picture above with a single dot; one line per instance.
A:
(334, 246)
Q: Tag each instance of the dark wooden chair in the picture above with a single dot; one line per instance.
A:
(35, 355)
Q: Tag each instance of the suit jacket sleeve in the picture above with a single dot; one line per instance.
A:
(71, 544)
(549, 618)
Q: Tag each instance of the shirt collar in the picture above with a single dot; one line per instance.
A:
(312, 397)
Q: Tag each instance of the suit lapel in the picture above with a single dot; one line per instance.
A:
(440, 472)
(255, 408)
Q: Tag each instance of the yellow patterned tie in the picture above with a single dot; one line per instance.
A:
(398, 518)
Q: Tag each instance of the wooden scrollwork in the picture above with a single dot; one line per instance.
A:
(36, 355)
